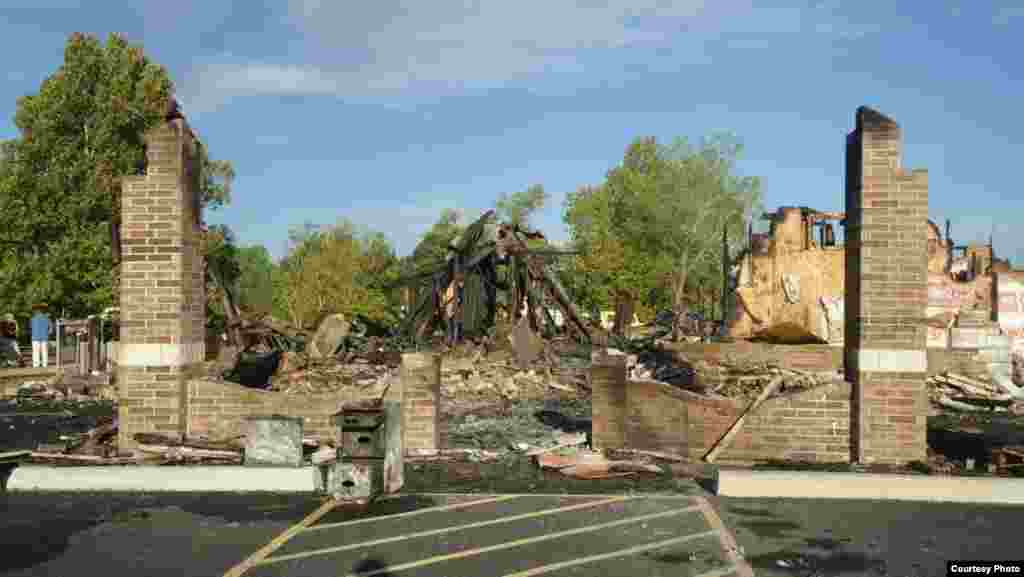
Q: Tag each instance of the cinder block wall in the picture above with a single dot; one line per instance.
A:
(161, 300)
(887, 211)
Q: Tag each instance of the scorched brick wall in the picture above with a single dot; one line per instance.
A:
(887, 211)
(162, 301)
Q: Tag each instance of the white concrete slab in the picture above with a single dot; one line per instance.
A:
(149, 478)
(817, 485)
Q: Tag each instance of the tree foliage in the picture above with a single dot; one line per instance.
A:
(337, 269)
(255, 279)
(60, 182)
(517, 208)
(656, 222)
(432, 249)
(79, 135)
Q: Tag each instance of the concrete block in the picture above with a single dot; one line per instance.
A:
(274, 440)
(362, 444)
(394, 458)
(355, 479)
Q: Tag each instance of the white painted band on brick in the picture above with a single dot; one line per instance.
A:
(893, 360)
(161, 355)
(163, 479)
(804, 484)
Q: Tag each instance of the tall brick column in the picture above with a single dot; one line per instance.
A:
(886, 268)
(608, 401)
(162, 295)
(421, 399)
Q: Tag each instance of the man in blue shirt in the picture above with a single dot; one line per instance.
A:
(40, 337)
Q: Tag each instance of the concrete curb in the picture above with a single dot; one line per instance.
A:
(150, 478)
(816, 485)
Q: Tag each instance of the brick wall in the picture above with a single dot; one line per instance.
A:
(420, 380)
(887, 210)
(217, 410)
(162, 312)
(810, 425)
(608, 402)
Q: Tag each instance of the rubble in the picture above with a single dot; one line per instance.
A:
(961, 393)
(329, 336)
(594, 465)
(1008, 460)
(730, 377)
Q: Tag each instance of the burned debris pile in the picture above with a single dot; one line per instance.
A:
(961, 393)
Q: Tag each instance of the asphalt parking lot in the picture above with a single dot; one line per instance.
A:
(206, 535)
(512, 535)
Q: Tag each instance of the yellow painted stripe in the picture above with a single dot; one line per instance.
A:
(412, 513)
(620, 553)
(281, 539)
(728, 540)
(432, 532)
(520, 542)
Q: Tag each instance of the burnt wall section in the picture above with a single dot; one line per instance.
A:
(886, 359)
(161, 293)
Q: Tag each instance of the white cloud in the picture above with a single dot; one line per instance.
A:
(1005, 14)
(401, 47)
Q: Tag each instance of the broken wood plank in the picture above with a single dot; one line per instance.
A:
(84, 458)
(945, 401)
(157, 439)
(1015, 451)
(549, 461)
(180, 452)
(561, 387)
(593, 471)
(727, 438)
(574, 443)
(660, 455)
(956, 377)
(92, 439)
(14, 456)
(634, 467)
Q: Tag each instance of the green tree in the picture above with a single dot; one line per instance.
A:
(517, 208)
(657, 221)
(337, 270)
(432, 248)
(60, 185)
(255, 279)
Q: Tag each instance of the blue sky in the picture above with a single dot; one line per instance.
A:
(386, 112)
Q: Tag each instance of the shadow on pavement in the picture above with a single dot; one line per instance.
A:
(26, 545)
(818, 563)
(371, 566)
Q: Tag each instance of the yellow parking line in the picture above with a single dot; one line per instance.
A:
(728, 540)
(281, 539)
(411, 513)
(350, 546)
(620, 553)
(527, 541)
(666, 496)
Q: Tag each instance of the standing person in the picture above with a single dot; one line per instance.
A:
(40, 337)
